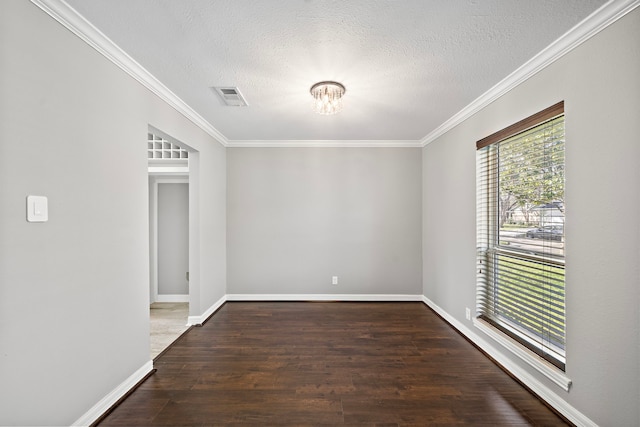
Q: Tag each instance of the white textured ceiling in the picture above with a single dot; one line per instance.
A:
(408, 66)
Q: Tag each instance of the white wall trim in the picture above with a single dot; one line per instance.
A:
(167, 171)
(323, 297)
(153, 219)
(199, 320)
(172, 298)
(78, 25)
(524, 354)
(594, 23)
(110, 399)
(561, 405)
(571, 413)
(590, 26)
(325, 144)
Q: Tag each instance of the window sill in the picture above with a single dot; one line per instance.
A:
(524, 354)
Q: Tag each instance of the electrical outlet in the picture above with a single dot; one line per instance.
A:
(468, 313)
(334, 280)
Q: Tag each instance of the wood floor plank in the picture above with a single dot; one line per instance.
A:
(358, 364)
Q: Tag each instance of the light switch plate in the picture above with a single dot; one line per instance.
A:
(37, 209)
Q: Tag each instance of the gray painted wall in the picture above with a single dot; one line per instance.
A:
(74, 291)
(173, 238)
(600, 85)
(74, 300)
(298, 216)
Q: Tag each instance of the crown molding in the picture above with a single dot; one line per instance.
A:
(78, 25)
(324, 144)
(590, 26)
(593, 24)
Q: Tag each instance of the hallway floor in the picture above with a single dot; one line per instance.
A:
(168, 322)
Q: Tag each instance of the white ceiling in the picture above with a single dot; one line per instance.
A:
(408, 66)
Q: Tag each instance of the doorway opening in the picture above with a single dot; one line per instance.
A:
(169, 230)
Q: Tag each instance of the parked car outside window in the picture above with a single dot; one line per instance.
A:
(548, 232)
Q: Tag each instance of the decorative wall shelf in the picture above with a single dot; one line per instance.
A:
(161, 149)
(166, 158)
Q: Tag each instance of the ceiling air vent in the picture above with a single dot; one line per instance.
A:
(231, 96)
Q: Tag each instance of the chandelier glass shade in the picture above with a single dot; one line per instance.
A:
(327, 97)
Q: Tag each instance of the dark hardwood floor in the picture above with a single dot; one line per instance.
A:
(296, 364)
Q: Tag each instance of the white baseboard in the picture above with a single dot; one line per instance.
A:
(559, 404)
(199, 320)
(323, 297)
(562, 406)
(110, 399)
(172, 298)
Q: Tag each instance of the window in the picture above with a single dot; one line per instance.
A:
(520, 240)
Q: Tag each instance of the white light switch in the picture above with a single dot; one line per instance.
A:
(37, 209)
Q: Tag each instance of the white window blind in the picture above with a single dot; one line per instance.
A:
(520, 233)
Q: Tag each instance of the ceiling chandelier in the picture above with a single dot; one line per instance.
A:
(327, 97)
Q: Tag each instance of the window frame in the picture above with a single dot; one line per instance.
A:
(518, 343)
